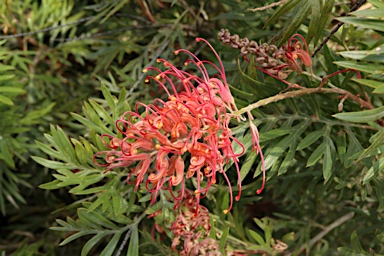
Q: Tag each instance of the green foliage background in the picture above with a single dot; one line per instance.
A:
(70, 68)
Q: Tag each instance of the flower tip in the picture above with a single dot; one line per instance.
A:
(145, 70)
(198, 39)
(158, 60)
(225, 211)
(259, 191)
(176, 52)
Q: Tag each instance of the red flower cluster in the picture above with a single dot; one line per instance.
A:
(190, 129)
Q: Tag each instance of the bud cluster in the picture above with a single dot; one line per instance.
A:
(277, 62)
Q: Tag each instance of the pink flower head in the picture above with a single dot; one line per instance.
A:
(186, 136)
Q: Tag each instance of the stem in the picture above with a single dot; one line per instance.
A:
(126, 237)
(357, 5)
(304, 91)
(128, 234)
(340, 221)
(267, 6)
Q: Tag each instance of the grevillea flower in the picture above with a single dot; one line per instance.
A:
(186, 136)
(191, 230)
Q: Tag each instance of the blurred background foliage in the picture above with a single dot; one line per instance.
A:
(322, 171)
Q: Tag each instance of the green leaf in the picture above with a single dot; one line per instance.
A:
(223, 240)
(328, 159)
(247, 164)
(301, 13)
(53, 164)
(372, 55)
(378, 3)
(9, 89)
(108, 97)
(324, 17)
(95, 217)
(274, 152)
(379, 86)
(314, 27)
(344, 251)
(372, 68)
(354, 147)
(364, 116)
(76, 236)
(273, 134)
(6, 154)
(256, 237)
(288, 158)
(6, 100)
(341, 144)
(281, 11)
(101, 112)
(88, 123)
(91, 243)
(374, 170)
(240, 93)
(316, 155)
(373, 148)
(329, 58)
(267, 226)
(6, 77)
(110, 248)
(133, 247)
(310, 139)
(63, 144)
(6, 68)
(374, 24)
(356, 243)
(51, 185)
